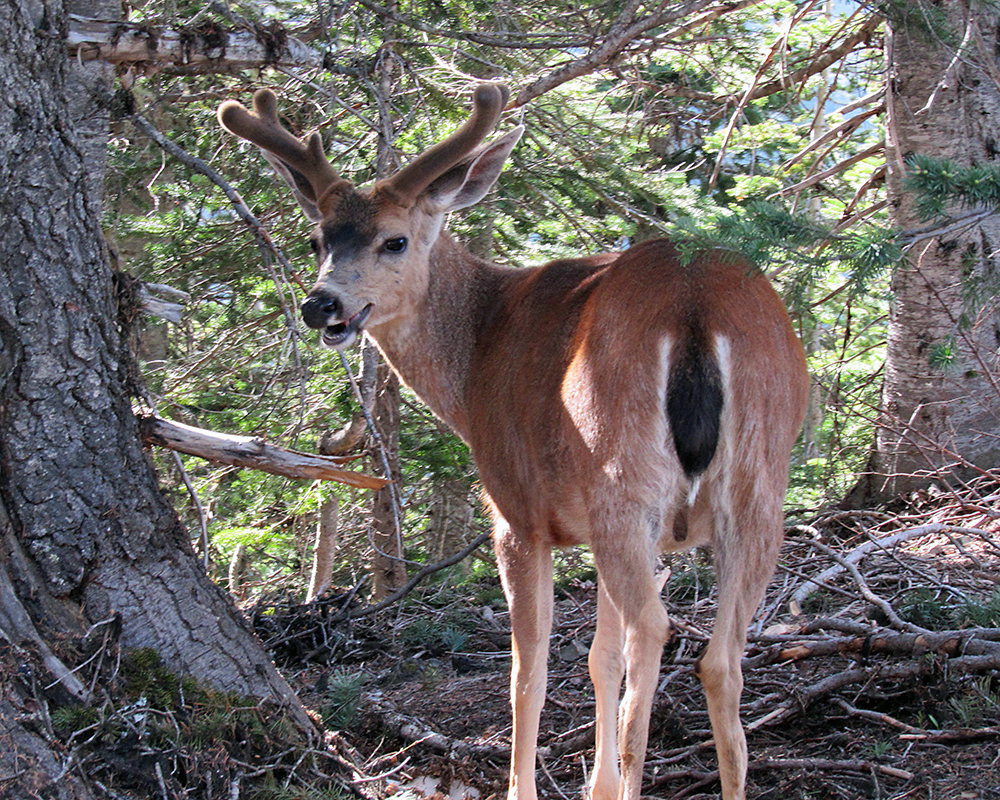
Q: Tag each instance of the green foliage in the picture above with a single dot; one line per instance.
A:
(944, 355)
(978, 705)
(939, 183)
(691, 577)
(926, 608)
(981, 615)
(867, 256)
(279, 791)
(771, 237)
(151, 715)
(932, 609)
(879, 748)
(923, 17)
(74, 718)
(146, 677)
(610, 158)
(437, 636)
(341, 707)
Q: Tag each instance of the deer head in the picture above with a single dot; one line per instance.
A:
(373, 244)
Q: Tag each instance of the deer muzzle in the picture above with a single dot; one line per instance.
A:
(325, 312)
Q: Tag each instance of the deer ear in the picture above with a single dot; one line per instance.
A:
(297, 182)
(467, 183)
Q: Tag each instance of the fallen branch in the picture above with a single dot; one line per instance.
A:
(704, 779)
(883, 544)
(978, 642)
(251, 452)
(414, 729)
(912, 734)
(793, 702)
(830, 765)
(957, 736)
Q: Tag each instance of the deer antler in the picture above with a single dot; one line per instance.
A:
(312, 173)
(488, 102)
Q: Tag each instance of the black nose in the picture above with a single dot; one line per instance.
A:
(320, 309)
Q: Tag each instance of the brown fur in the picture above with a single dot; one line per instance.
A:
(557, 377)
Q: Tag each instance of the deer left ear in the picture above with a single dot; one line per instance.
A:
(467, 183)
(297, 182)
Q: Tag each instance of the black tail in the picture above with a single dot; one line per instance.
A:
(694, 405)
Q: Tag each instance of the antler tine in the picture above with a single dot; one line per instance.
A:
(262, 128)
(488, 103)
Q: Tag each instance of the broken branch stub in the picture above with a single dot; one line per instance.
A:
(252, 453)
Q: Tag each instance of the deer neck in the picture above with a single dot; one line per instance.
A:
(432, 346)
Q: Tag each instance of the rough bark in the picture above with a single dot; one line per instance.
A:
(943, 102)
(86, 535)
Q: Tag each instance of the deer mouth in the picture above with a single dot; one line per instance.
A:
(341, 334)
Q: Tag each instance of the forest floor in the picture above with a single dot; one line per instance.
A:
(872, 671)
(882, 683)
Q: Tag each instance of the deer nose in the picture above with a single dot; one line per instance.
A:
(321, 309)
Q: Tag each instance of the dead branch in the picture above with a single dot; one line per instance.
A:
(819, 581)
(251, 452)
(978, 642)
(430, 569)
(875, 716)
(625, 29)
(825, 764)
(158, 307)
(792, 702)
(838, 132)
(514, 40)
(414, 729)
(836, 169)
(956, 736)
(206, 48)
(829, 57)
(17, 627)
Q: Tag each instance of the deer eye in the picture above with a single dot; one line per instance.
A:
(395, 245)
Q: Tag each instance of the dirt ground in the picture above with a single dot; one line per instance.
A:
(838, 704)
(872, 671)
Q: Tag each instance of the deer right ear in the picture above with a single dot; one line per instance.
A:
(468, 182)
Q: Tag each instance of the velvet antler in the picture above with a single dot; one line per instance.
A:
(488, 102)
(305, 164)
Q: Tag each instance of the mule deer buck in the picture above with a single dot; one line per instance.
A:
(637, 402)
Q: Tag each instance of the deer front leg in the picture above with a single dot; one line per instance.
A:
(607, 668)
(626, 568)
(526, 572)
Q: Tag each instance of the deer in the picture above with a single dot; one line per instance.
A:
(639, 402)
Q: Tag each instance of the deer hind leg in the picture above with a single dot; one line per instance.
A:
(745, 554)
(625, 562)
(526, 572)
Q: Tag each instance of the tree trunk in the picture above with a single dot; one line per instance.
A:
(450, 519)
(85, 534)
(940, 401)
(388, 568)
